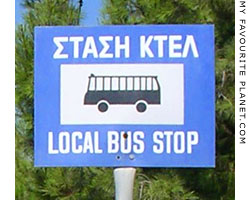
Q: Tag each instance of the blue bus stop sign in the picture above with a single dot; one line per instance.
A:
(141, 96)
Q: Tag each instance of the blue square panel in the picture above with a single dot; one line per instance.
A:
(117, 96)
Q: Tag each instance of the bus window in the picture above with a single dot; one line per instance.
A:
(149, 83)
(155, 86)
(129, 83)
(136, 83)
(107, 83)
(92, 83)
(99, 83)
(115, 83)
(123, 83)
(143, 83)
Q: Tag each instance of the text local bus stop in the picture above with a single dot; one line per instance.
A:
(154, 84)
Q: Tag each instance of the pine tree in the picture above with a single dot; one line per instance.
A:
(208, 184)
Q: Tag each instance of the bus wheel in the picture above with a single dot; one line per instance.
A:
(103, 107)
(141, 107)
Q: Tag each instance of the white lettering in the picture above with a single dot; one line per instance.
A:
(179, 142)
(88, 144)
(76, 41)
(144, 46)
(119, 46)
(160, 39)
(157, 138)
(126, 142)
(97, 149)
(174, 46)
(168, 135)
(64, 142)
(113, 142)
(58, 53)
(190, 43)
(76, 136)
(90, 48)
(138, 137)
(104, 41)
(192, 139)
(51, 150)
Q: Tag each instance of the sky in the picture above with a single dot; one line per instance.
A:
(91, 10)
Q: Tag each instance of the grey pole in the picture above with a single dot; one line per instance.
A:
(124, 183)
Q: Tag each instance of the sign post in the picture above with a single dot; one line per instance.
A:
(124, 182)
(124, 96)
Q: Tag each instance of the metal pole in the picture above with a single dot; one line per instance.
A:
(124, 183)
(79, 11)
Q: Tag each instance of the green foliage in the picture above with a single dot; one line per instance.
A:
(29, 180)
(25, 189)
(77, 183)
(48, 12)
(159, 185)
(151, 184)
(155, 12)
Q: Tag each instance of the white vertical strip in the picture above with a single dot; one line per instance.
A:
(242, 86)
(124, 183)
(7, 100)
